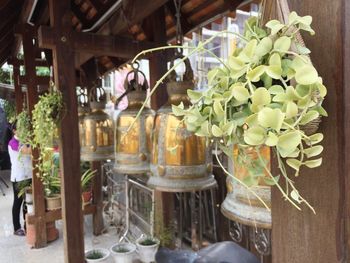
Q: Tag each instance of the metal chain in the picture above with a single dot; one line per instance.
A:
(179, 34)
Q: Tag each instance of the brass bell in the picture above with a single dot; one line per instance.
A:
(133, 147)
(181, 161)
(97, 140)
(241, 205)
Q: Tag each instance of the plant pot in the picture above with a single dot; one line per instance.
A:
(147, 253)
(241, 205)
(104, 253)
(30, 208)
(51, 233)
(123, 252)
(87, 197)
(53, 202)
(29, 195)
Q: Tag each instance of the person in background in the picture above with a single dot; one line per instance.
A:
(21, 169)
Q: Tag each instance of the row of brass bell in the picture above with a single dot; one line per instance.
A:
(95, 126)
(177, 160)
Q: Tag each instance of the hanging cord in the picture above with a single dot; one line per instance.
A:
(179, 33)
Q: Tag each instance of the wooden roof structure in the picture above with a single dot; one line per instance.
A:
(126, 18)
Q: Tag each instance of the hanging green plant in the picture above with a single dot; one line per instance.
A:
(24, 127)
(46, 116)
(265, 95)
(10, 110)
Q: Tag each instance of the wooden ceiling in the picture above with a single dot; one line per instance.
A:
(110, 17)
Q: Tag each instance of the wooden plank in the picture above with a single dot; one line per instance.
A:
(57, 214)
(346, 81)
(114, 46)
(321, 238)
(32, 98)
(64, 72)
(97, 217)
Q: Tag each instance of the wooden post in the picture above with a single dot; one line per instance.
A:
(158, 62)
(164, 202)
(32, 98)
(64, 72)
(18, 89)
(97, 217)
(301, 236)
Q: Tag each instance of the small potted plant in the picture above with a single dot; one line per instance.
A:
(97, 255)
(86, 185)
(147, 248)
(45, 121)
(123, 252)
(52, 188)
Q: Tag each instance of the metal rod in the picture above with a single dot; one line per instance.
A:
(213, 205)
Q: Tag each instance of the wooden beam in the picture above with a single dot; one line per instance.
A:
(322, 237)
(39, 80)
(346, 81)
(80, 15)
(64, 73)
(133, 12)
(32, 98)
(185, 25)
(38, 62)
(54, 215)
(115, 46)
(97, 4)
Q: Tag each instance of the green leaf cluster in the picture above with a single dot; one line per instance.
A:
(264, 94)
(45, 121)
(24, 127)
(10, 110)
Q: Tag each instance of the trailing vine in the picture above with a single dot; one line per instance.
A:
(46, 116)
(265, 94)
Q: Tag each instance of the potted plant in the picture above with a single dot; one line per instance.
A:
(123, 252)
(86, 185)
(45, 119)
(52, 189)
(97, 255)
(266, 94)
(147, 248)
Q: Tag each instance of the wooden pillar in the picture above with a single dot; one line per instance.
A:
(64, 72)
(32, 98)
(164, 202)
(158, 62)
(97, 217)
(301, 236)
(18, 88)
